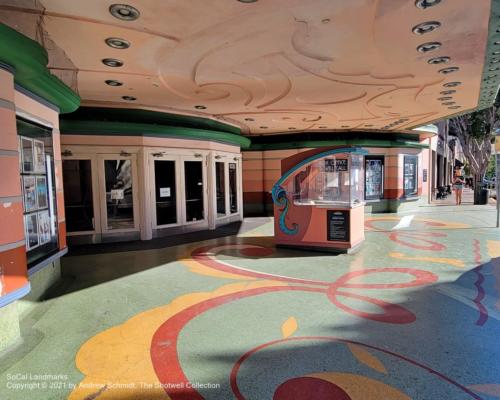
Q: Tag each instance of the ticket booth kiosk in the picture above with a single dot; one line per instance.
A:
(318, 201)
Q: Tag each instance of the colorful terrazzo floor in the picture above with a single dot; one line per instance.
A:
(415, 314)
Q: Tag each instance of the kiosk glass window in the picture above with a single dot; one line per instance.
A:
(77, 179)
(119, 194)
(374, 178)
(410, 175)
(331, 180)
(165, 192)
(220, 189)
(39, 191)
(233, 188)
(193, 180)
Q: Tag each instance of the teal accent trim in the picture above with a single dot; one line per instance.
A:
(29, 61)
(103, 128)
(15, 295)
(328, 143)
(279, 194)
(149, 117)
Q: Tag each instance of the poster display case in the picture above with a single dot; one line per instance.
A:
(319, 202)
(38, 189)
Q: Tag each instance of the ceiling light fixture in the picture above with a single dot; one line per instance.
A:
(454, 107)
(263, 127)
(249, 119)
(200, 107)
(444, 98)
(323, 127)
(112, 62)
(117, 43)
(129, 98)
(124, 12)
(425, 27)
(429, 46)
(423, 4)
(449, 103)
(447, 92)
(448, 70)
(438, 60)
(247, 1)
(112, 82)
(345, 126)
(292, 128)
(452, 84)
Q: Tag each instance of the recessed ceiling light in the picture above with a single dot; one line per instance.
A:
(495, 60)
(323, 127)
(112, 62)
(423, 4)
(247, 1)
(200, 107)
(452, 84)
(448, 70)
(447, 92)
(112, 82)
(493, 69)
(292, 128)
(345, 126)
(129, 98)
(263, 127)
(454, 107)
(325, 20)
(124, 12)
(429, 46)
(425, 27)
(368, 125)
(449, 103)
(117, 43)
(439, 60)
(249, 119)
(444, 98)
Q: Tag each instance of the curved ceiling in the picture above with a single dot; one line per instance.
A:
(273, 66)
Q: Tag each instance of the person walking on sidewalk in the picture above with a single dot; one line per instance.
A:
(458, 186)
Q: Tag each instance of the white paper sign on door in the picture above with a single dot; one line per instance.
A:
(117, 194)
(165, 192)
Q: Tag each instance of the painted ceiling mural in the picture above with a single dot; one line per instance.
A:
(272, 66)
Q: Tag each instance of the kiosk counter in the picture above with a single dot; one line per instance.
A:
(318, 202)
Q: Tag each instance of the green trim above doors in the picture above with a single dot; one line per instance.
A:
(149, 117)
(328, 143)
(107, 128)
(29, 61)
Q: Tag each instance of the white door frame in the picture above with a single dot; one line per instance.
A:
(101, 157)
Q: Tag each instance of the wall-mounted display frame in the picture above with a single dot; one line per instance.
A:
(39, 191)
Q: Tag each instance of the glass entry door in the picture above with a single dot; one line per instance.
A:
(118, 193)
(78, 195)
(165, 193)
(194, 190)
(178, 190)
(226, 188)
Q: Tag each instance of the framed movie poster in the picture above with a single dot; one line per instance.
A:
(43, 227)
(41, 191)
(27, 154)
(38, 157)
(29, 190)
(31, 226)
